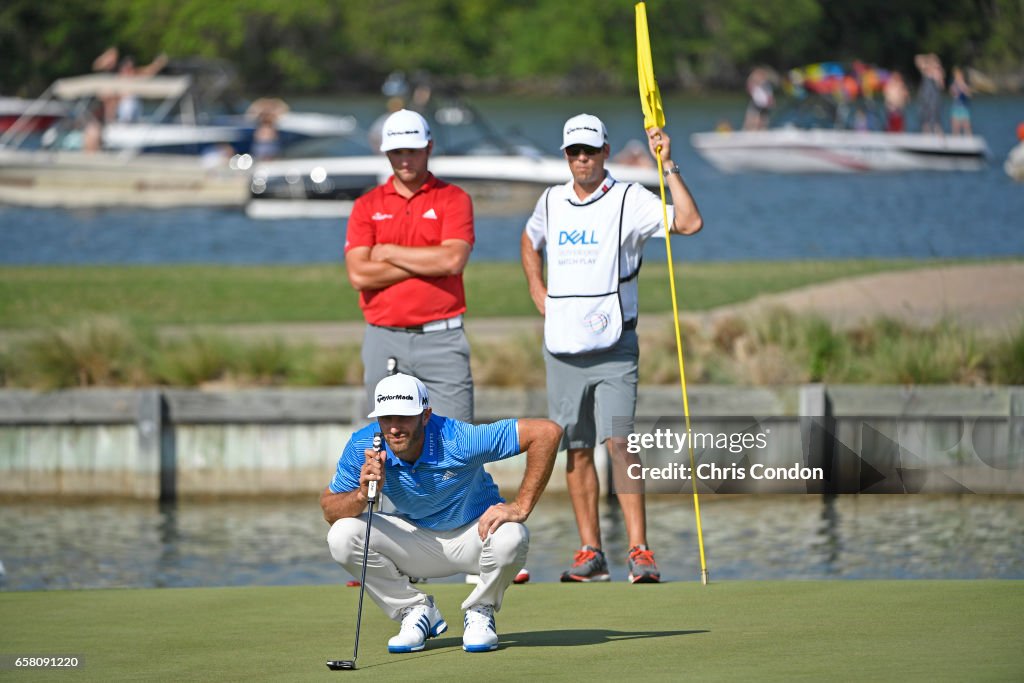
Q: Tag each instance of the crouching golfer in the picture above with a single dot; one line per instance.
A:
(448, 517)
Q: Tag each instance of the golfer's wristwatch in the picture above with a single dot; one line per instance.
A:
(674, 169)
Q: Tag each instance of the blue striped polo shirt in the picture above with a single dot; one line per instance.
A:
(447, 487)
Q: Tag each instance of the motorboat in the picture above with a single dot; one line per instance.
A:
(180, 149)
(819, 150)
(833, 122)
(500, 184)
(502, 172)
(81, 162)
(174, 119)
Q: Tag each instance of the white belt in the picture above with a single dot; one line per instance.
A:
(452, 323)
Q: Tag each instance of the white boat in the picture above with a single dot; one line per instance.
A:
(798, 150)
(57, 170)
(500, 184)
(174, 122)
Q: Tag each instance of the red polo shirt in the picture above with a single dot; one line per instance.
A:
(436, 212)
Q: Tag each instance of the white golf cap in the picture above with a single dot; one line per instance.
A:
(404, 129)
(399, 395)
(584, 129)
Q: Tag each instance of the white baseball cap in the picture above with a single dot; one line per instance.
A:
(399, 395)
(404, 129)
(584, 129)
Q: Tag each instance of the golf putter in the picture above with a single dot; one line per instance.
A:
(371, 495)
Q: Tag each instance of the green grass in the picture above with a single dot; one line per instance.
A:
(808, 630)
(32, 297)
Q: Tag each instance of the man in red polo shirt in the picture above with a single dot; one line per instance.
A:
(407, 243)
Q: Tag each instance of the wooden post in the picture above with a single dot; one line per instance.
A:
(156, 445)
(817, 434)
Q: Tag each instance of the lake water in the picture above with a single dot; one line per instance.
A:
(46, 546)
(749, 216)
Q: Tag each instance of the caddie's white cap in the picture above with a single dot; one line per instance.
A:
(404, 129)
(584, 129)
(399, 395)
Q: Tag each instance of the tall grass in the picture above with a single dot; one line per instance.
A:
(777, 348)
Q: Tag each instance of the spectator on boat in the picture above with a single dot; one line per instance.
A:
(129, 107)
(86, 134)
(92, 134)
(377, 127)
(960, 111)
(929, 96)
(634, 153)
(590, 233)
(896, 98)
(762, 100)
(266, 141)
(406, 245)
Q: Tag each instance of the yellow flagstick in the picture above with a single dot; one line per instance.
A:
(654, 116)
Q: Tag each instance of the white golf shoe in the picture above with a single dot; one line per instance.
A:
(479, 634)
(419, 622)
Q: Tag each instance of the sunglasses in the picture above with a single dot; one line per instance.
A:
(574, 150)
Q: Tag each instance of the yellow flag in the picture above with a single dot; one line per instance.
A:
(650, 98)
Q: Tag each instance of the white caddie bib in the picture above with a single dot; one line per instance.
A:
(583, 243)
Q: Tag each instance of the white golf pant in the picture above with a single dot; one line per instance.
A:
(399, 549)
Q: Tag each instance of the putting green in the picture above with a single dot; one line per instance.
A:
(820, 630)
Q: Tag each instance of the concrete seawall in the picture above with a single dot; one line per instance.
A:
(168, 443)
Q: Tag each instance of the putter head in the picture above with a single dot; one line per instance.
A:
(341, 665)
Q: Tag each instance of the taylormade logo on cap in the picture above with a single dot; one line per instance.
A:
(399, 395)
(404, 129)
(584, 129)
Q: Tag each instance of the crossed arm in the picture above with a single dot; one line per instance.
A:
(386, 264)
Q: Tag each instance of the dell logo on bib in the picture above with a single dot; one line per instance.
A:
(576, 237)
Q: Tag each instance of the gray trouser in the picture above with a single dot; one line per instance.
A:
(593, 397)
(439, 359)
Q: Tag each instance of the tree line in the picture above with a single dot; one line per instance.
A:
(329, 46)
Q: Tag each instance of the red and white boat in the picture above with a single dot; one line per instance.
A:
(798, 150)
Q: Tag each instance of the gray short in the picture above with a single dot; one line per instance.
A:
(595, 388)
(439, 359)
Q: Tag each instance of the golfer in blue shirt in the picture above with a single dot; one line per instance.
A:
(449, 517)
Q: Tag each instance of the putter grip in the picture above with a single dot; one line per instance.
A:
(378, 446)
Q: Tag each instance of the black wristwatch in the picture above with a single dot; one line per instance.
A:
(674, 169)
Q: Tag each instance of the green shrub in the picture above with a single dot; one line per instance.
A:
(102, 351)
(1007, 358)
(195, 360)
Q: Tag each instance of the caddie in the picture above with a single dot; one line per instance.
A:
(590, 232)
